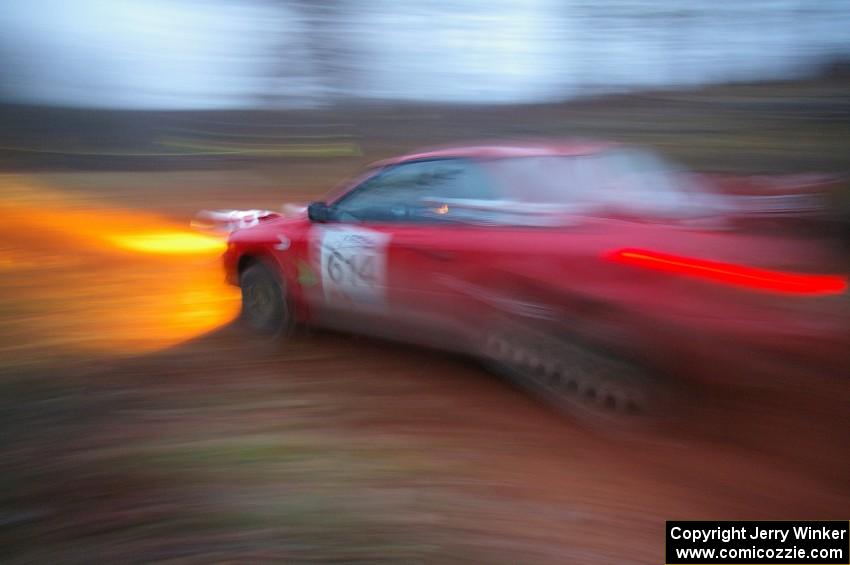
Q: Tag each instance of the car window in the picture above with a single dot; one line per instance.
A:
(561, 180)
(414, 192)
(639, 181)
(621, 180)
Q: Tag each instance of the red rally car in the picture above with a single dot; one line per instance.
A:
(585, 270)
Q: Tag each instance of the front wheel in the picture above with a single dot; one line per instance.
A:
(265, 308)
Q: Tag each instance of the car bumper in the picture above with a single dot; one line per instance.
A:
(230, 260)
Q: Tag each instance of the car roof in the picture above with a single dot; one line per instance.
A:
(503, 150)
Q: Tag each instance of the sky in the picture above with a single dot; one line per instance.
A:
(198, 54)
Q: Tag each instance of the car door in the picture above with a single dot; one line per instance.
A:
(433, 250)
(389, 244)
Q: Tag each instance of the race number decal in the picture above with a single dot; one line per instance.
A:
(352, 263)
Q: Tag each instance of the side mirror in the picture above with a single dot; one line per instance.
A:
(318, 212)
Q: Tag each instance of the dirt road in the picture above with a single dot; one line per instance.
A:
(139, 424)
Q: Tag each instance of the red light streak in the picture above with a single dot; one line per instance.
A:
(731, 274)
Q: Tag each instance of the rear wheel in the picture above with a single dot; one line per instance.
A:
(265, 308)
(593, 385)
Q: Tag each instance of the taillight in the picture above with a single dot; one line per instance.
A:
(731, 274)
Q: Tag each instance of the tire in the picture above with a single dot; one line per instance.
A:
(595, 386)
(265, 308)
